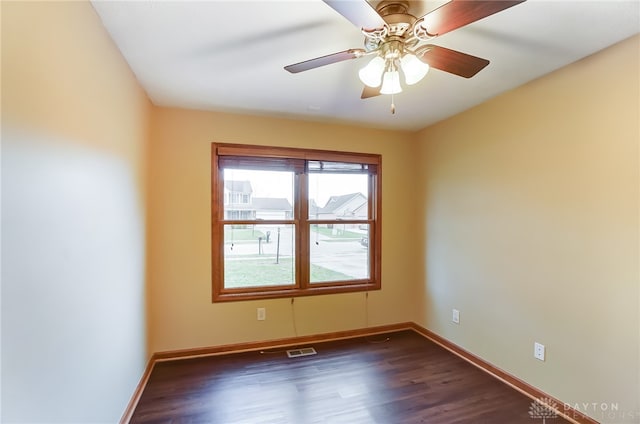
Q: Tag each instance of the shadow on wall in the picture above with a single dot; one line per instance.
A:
(73, 256)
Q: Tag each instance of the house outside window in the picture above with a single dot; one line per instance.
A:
(294, 222)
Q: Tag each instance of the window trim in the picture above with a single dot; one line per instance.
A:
(301, 217)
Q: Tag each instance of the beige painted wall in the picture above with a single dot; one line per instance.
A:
(181, 312)
(530, 208)
(74, 131)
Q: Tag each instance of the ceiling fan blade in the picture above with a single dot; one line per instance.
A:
(370, 92)
(325, 60)
(452, 61)
(458, 13)
(360, 13)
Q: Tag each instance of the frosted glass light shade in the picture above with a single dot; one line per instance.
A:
(371, 74)
(391, 83)
(414, 69)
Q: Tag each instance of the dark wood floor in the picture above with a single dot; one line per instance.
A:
(405, 379)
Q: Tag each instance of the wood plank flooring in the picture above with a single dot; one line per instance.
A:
(398, 377)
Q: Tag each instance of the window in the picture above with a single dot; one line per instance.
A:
(293, 222)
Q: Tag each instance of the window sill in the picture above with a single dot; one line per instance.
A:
(290, 293)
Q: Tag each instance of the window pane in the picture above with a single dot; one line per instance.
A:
(339, 252)
(258, 255)
(338, 196)
(251, 194)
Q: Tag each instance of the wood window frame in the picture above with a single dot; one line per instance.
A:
(302, 286)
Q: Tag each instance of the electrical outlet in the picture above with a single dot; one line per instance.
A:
(538, 351)
(262, 314)
(455, 316)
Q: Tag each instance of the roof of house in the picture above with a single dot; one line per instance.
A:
(271, 203)
(336, 202)
(238, 186)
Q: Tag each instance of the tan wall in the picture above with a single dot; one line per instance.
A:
(181, 313)
(531, 229)
(74, 130)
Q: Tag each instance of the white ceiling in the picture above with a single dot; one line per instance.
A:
(229, 55)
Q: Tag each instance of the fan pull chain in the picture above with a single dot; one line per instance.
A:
(393, 106)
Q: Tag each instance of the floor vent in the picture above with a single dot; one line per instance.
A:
(305, 351)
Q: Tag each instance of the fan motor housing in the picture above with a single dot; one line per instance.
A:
(399, 21)
(389, 7)
(396, 15)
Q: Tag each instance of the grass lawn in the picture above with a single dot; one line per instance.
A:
(340, 234)
(265, 272)
(237, 235)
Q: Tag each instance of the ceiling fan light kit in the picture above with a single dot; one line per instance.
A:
(384, 69)
(397, 39)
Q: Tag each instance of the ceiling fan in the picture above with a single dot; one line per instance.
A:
(397, 40)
